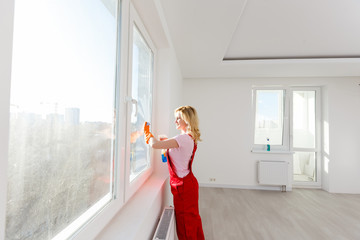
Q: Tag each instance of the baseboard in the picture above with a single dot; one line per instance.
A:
(270, 188)
(307, 186)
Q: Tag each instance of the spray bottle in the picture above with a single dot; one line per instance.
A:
(163, 155)
(163, 151)
(267, 144)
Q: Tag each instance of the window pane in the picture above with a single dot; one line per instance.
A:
(269, 117)
(304, 165)
(304, 119)
(142, 77)
(62, 114)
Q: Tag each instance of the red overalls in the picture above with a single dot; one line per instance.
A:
(186, 202)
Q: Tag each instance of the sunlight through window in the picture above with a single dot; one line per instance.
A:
(62, 115)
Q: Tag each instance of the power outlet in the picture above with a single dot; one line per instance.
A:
(212, 179)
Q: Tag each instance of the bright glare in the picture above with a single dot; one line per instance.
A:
(326, 164)
(326, 138)
(53, 68)
(304, 119)
(61, 143)
(269, 117)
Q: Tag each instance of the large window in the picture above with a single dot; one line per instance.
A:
(61, 147)
(141, 97)
(269, 117)
(288, 120)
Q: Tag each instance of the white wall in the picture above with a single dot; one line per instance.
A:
(224, 107)
(168, 95)
(325, 139)
(344, 133)
(6, 26)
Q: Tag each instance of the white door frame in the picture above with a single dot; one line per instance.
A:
(317, 149)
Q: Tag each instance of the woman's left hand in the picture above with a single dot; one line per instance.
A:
(147, 132)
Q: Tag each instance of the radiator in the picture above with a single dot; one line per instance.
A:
(166, 227)
(273, 173)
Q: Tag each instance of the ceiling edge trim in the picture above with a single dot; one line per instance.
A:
(291, 58)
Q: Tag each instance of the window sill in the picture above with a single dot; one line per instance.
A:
(138, 218)
(272, 152)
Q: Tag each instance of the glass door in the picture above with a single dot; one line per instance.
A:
(305, 137)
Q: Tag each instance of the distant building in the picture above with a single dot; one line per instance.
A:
(54, 117)
(72, 115)
(30, 118)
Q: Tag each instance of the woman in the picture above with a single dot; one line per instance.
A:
(184, 186)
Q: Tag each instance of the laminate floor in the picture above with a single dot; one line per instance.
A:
(303, 214)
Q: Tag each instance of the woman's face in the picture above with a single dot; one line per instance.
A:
(179, 122)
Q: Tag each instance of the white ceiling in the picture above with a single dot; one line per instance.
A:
(262, 38)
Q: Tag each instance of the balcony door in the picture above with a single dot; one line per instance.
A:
(304, 139)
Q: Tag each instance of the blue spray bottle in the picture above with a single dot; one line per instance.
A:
(163, 155)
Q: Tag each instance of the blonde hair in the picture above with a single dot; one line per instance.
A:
(189, 115)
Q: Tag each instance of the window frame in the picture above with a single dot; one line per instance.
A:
(122, 190)
(317, 148)
(88, 227)
(285, 147)
(288, 128)
(6, 42)
(135, 184)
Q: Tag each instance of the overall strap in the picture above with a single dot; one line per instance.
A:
(170, 165)
(193, 154)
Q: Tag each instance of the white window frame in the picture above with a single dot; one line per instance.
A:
(285, 144)
(123, 190)
(87, 225)
(288, 129)
(6, 27)
(133, 186)
(317, 149)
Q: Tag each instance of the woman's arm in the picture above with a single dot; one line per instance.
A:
(166, 144)
(154, 143)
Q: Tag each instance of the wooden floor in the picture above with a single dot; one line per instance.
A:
(261, 215)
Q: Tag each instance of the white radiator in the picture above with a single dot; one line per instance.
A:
(273, 173)
(166, 227)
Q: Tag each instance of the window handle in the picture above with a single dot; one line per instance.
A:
(133, 102)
